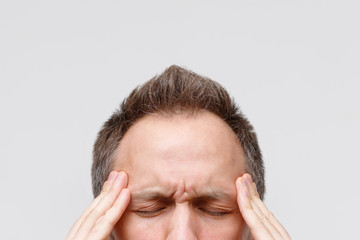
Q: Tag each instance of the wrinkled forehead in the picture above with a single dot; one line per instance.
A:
(201, 152)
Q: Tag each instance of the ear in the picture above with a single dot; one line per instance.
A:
(112, 236)
(246, 235)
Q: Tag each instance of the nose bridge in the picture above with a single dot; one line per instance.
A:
(182, 223)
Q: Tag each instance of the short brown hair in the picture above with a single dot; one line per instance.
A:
(175, 90)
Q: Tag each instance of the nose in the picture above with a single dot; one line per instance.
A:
(182, 225)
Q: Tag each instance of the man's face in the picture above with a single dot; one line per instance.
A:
(182, 172)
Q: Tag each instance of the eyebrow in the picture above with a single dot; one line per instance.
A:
(156, 193)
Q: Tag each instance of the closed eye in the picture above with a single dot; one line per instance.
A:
(151, 213)
(213, 213)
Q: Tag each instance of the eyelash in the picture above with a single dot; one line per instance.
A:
(154, 213)
(213, 213)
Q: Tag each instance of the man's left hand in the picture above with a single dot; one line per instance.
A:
(260, 221)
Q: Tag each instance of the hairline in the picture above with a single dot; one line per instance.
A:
(169, 114)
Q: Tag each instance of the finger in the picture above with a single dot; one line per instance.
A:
(102, 206)
(259, 207)
(263, 212)
(256, 226)
(105, 225)
(106, 187)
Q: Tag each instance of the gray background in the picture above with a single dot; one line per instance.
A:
(293, 67)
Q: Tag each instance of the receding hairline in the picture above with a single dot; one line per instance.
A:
(184, 115)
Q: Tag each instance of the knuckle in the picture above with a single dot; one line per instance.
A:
(263, 218)
(101, 219)
(94, 212)
(266, 216)
(255, 195)
(87, 211)
(104, 190)
(107, 221)
(249, 207)
(269, 214)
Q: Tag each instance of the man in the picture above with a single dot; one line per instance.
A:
(178, 160)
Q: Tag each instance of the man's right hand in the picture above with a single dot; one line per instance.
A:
(99, 219)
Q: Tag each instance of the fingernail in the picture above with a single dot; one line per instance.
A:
(244, 182)
(112, 176)
(249, 179)
(123, 177)
(245, 186)
(238, 181)
(120, 175)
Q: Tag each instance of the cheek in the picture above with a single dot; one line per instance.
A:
(132, 227)
(231, 228)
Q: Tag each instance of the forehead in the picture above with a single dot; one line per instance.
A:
(193, 153)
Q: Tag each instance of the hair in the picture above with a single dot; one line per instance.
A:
(176, 90)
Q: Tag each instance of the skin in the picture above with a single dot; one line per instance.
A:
(178, 177)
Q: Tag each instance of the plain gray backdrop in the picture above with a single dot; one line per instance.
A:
(292, 66)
